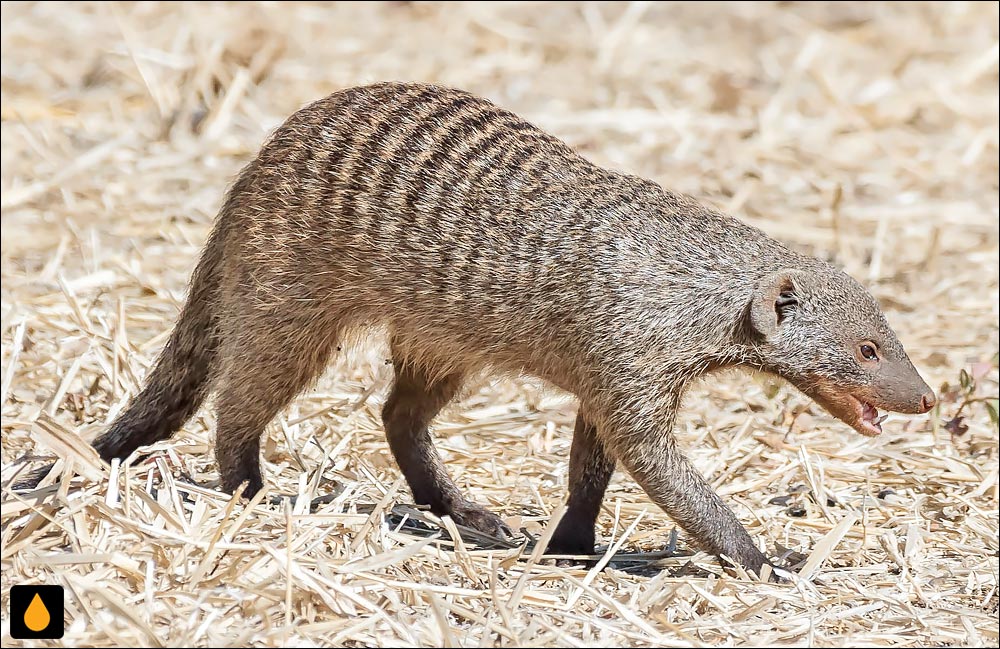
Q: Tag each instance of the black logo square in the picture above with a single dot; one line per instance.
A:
(36, 612)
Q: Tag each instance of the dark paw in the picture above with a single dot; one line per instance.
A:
(567, 562)
(573, 536)
(784, 568)
(789, 559)
(253, 485)
(570, 547)
(481, 519)
(785, 564)
(569, 541)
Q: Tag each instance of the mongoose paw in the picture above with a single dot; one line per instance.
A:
(577, 559)
(251, 485)
(788, 559)
(775, 574)
(753, 562)
(786, 563)
(479, 518)
(780, 575)
(572, 550)
(561, 546)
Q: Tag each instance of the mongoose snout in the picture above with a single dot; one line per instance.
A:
(482, 243)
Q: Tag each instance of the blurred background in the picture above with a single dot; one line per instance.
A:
(866, 133)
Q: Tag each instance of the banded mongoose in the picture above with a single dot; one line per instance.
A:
(480, 242)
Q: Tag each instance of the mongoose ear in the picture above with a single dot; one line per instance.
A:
(775, 301)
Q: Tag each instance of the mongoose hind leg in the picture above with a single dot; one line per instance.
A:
(265, 363)
(590, 469)
(415, 399)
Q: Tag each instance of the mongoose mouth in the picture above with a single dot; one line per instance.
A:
(868, 421)
(855, 411)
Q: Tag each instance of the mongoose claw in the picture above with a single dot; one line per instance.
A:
(481, 519)
(780, 575)
(791, 560)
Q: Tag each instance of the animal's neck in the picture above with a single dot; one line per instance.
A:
(700, 273)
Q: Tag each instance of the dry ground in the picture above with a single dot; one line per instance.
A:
(867, 133)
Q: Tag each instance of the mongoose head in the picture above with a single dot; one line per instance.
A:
(823, 332)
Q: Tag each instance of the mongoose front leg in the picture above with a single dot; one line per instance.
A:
(414, 401)
(590, 470)
(645, 445)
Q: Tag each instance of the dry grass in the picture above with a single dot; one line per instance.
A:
(865, 132)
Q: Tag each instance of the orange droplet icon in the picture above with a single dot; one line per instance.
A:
(36, 617)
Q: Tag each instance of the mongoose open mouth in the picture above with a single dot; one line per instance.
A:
(855, 411)
(868, 422)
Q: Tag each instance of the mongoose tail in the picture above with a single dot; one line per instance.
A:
(181, 378)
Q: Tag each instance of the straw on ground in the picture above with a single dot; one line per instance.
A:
(863, 132)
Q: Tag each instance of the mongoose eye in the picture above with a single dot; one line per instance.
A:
(868, 352)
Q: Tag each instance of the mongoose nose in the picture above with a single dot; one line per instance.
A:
(927, 402)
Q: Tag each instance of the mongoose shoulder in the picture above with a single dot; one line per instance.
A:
(481, 242)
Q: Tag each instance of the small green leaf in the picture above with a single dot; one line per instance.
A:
(991, 408)
(964, 379)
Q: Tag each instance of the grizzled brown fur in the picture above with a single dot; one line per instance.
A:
(481, 242)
